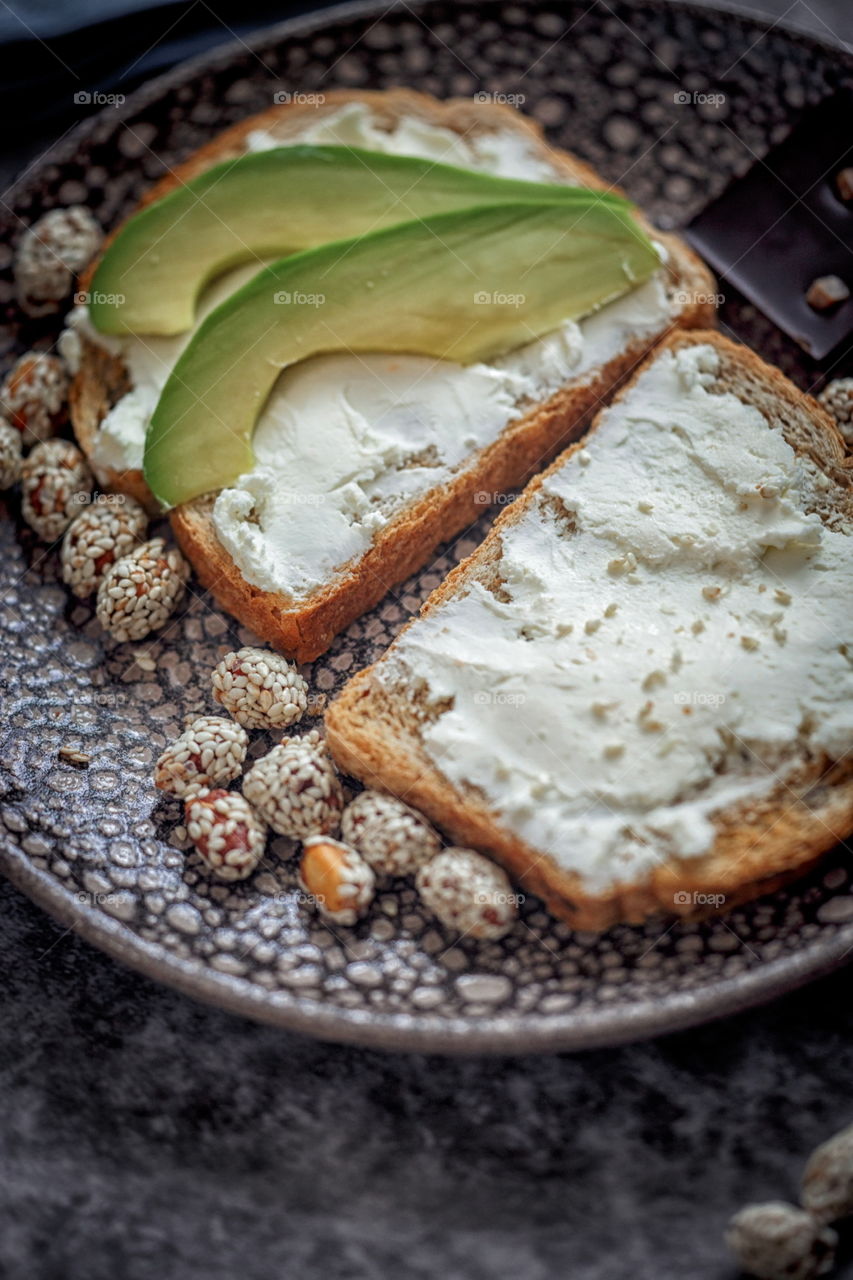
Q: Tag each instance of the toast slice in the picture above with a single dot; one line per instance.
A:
(304, 626)
(696, 719)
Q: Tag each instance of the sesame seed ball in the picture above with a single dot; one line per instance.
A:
(55, 482)
(296, 790)
(51, 252)
(102, 533)
(394, 839)
(226, 832)
(777, 1239)
(337, 879)
(837, 399)
(260, 689)
(468, 893)
(139, 593)
(211, 750)
(828, 1179)
(34, 396)
(10, 455)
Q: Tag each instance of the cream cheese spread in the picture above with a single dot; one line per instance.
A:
(671, 634)
(345, 441)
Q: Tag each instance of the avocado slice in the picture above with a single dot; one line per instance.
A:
(270, 203)
(466, 285)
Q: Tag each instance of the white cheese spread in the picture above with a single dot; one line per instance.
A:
(670, 637)
(345, 440)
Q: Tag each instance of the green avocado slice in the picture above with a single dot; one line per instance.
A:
(270, 203)
(465, 286)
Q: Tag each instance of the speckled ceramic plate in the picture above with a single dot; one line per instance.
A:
(98, 846)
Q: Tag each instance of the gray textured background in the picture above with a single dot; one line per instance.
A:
(145, 1137)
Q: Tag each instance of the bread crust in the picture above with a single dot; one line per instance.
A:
(306, 628)
(758, 847)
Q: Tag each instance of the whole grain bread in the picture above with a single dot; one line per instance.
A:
(305, 628)
(375, 734)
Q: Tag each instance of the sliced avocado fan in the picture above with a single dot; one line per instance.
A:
(465, 286)
(270, 203)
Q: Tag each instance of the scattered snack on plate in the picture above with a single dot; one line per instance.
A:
(296, 790)
(55, 483)
(311, 518)
(391, 837)
(338, 880)
(34, 396)
(210, 751)
(468, 893)
(637, 694)
(260, 689)
(11, 454)
(226, 832)
(776, 1240)
(50, 254)
(827, 1190)
(104, 531)
(140, 592)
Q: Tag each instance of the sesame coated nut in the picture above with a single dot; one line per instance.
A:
(828, 1179)
(210, 751)
(338, 881)
(34, 396)
(55, 483)
(139, 593)
(102, 533)
(260, 689)
(296, 790)
(777, 1239)
(837, 399)
(10, 455)
(51, 253)
(226, 832)
(394, 839)
(468, 893)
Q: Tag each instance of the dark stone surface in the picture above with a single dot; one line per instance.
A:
(145, 1136)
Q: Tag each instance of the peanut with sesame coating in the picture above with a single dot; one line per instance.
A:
(468, 893)
(34, 396)
(296, 790)
(139, 593)
(392, 838)
(337, 879)
(10, 455)
(260, 689)
(211, 750)
(51, 253)
(226, 832)
(102, 533)
(777, 1239)
(55, 484)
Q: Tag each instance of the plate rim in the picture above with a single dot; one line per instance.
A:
(605, 1026)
